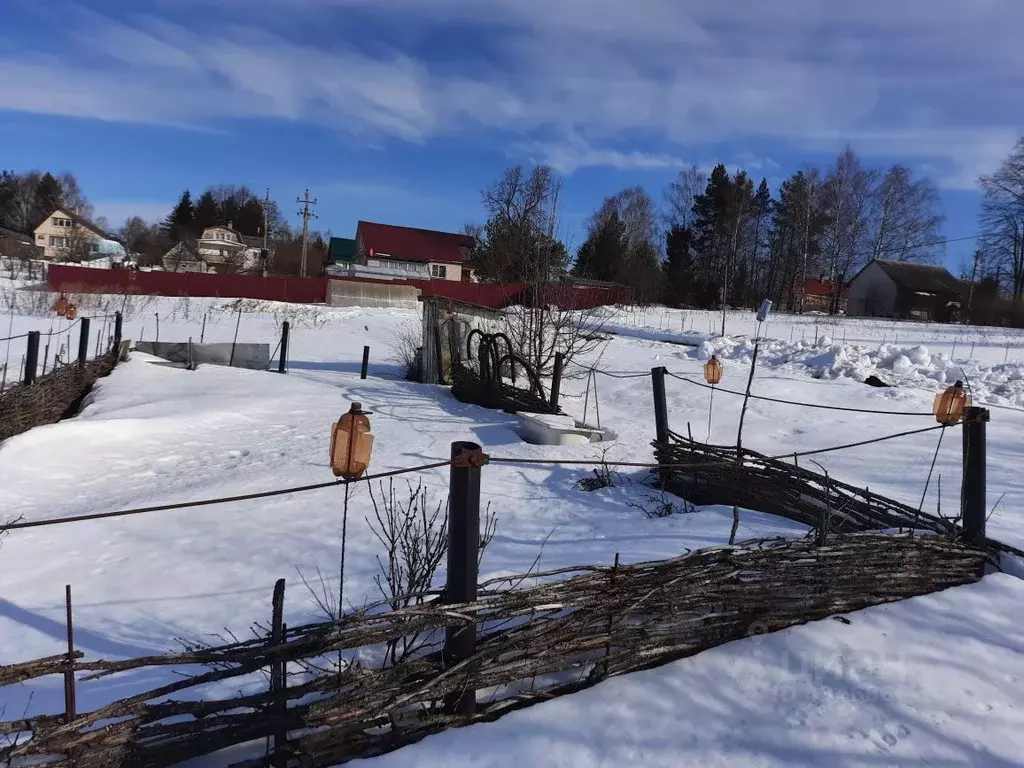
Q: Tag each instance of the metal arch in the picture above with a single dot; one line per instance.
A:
(469, 342)
(535, 386)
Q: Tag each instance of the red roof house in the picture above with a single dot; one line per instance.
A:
(418, 252)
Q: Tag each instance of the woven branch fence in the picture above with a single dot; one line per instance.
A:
(50, 397)
(751, 480)
(573, 629)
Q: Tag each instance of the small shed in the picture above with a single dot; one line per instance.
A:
(446, 326)
(905, 291)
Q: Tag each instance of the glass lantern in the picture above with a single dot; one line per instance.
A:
(949, 406)
(70, 311)
(351, 444)
(61, 307)
(713, 371)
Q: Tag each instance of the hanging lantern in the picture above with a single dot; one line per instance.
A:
(351, 444)
(61, 307)
(949, 406)
(70, 311)
(713, 371)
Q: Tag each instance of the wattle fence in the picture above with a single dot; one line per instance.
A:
(315, 290)
(531, 644)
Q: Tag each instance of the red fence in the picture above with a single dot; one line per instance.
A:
(312, 290)
(305, 290)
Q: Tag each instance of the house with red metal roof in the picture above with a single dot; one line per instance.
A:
(423, 254)
(820, 296)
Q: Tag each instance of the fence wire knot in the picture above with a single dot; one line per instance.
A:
(471, 459)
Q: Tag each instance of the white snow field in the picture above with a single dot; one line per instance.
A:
(931, 681)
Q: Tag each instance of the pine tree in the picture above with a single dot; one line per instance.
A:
(680, 280)
(207, 213)
(180, 222)
(603, 256)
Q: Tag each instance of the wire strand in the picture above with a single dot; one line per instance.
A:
(221, 500)
(803, 405)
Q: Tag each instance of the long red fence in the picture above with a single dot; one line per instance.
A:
(313, 290)
(308, 290)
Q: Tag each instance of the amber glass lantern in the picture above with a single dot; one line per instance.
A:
(61, 307)
(351, 444)
(70, 311)
(713, 371)
(949, 406)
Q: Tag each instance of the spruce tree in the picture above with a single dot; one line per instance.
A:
(179, 223)
(48, 198)
(207, 213)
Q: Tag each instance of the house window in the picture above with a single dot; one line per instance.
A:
(439, 270)
(59, 222)
(57, 241)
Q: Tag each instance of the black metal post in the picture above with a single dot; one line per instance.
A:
(556, 379)
(69, 675)
(282, 363)
(973, 500)
(661, 430)
(83, 343)
(463, 554)
(32, 357)
(660, 405)
(366, 362)
(277, 680)
(117, 333)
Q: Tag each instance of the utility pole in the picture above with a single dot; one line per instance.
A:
(266, 226)
(305, 214)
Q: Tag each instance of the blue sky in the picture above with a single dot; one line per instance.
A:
(402, 110)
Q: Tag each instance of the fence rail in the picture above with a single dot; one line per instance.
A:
(531, 644)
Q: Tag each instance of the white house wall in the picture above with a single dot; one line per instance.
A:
(872, 293)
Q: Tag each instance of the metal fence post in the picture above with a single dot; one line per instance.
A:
(32, 357)
(277, 678)
(117, 334)
(661, 430)
(463, 554)
(282, 363)
(69, 675)
(83, 343)
(366, 362)
(556, 380)
(973, 501)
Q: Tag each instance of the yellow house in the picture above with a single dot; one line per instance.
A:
(66, 237)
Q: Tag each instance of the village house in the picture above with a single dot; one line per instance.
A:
(905, 291)
(391, 252)
(64, 236)
(218, 249)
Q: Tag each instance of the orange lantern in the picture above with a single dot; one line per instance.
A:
(949, 406)
(70, 311)
(351, 443)
(61, 306)
(713, 371)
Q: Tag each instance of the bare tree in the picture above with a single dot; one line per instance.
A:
(1002, 219)
(680, 195)
(847, 199)
(907, 218)
(134, 233)
(520, 245)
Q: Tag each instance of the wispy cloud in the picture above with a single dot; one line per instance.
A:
(577, 83)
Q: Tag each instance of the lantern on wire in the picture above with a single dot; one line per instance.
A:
(351, 444)
(61, 305)
(950, 405)
(949, 410)
(70, 311)
(713, 370)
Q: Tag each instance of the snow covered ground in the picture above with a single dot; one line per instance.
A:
(151, 434)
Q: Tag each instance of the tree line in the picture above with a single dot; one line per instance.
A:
(718, 237)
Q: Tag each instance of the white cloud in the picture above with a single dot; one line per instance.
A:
(576, 82)
(570, 156)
